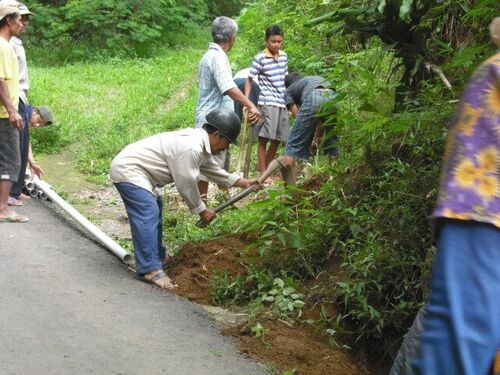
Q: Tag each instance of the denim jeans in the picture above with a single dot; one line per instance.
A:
(24, 143)
(144, 211)
(302, 134)
(462, 326)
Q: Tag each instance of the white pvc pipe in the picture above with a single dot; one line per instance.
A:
(116, 249)
(33, 192)
(29, 185)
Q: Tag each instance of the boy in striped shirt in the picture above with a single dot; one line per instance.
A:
(271, 67)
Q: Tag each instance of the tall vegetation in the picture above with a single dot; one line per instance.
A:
(74, 30)
(399, 68)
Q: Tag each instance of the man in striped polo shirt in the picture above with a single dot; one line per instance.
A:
(271, 67)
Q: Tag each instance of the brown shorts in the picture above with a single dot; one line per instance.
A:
(10, 157)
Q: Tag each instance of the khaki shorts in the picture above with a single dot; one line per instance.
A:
(275, 124)
(10, 157)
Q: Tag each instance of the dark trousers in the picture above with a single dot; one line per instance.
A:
(24, 144)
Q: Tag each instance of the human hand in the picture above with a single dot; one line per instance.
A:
(244, 183)
(286, 161)
(16, 120)
(37, 170)
(253, 115)
(208, 215)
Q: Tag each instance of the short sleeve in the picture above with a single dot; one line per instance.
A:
(6, 71)
(222, 73)
(256, 67)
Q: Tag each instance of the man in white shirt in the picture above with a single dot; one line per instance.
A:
(174, 157)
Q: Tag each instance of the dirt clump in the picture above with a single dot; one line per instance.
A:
(300, 348)
(197, 263)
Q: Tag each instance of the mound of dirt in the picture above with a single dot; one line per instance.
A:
(285, 347)
(299, 348)
(197, 263)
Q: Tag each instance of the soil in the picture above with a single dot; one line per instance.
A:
(284, 346)
(296, 348)
(195, 264)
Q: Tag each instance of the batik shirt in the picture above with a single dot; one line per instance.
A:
(470, 188)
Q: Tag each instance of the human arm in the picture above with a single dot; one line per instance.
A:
(254, 115)
(248, 86)
(245, 183)
(294, 109)
(15, 118)
(35, 168)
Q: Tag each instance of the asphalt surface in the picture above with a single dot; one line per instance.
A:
(67, 306)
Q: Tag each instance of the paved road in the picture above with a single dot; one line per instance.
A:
(67, 306)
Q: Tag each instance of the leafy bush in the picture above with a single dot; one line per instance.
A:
(224, 7)
(307, 48)
(77, 30)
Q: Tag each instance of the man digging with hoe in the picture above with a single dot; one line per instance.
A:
(174, 157)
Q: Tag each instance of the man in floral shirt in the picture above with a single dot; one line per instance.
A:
(462, 324)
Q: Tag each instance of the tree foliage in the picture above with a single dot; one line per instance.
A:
(422, 33)
(79, 29)
(391, 115)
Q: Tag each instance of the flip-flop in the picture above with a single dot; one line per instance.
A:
(14, 218)
(14, 202)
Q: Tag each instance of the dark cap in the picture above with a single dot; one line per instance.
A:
(226, 121)
(45, 114)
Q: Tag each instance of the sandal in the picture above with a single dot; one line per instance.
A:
(14, 218)
(155, 280)
(14, 202)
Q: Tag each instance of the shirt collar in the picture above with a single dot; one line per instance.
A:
(16, 41)
(215, 46)
(270, 55)
(206, 141)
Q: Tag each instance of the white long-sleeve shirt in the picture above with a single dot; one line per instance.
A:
(24, 80)
(178, 157)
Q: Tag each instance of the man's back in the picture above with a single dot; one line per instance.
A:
(215, 78)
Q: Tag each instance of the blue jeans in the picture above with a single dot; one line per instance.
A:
(144, 212)
(462, 325)
(24, 144)
(302, 134)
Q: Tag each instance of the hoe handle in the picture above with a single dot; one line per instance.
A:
(275, 164)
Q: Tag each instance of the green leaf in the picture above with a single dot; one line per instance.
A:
(381, 6)
(335, 30)
(279, 282)
(405, 8)
(321, 19)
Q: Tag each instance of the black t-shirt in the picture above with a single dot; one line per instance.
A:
(296, 92)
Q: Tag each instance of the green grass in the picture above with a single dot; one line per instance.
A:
(101, 107)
